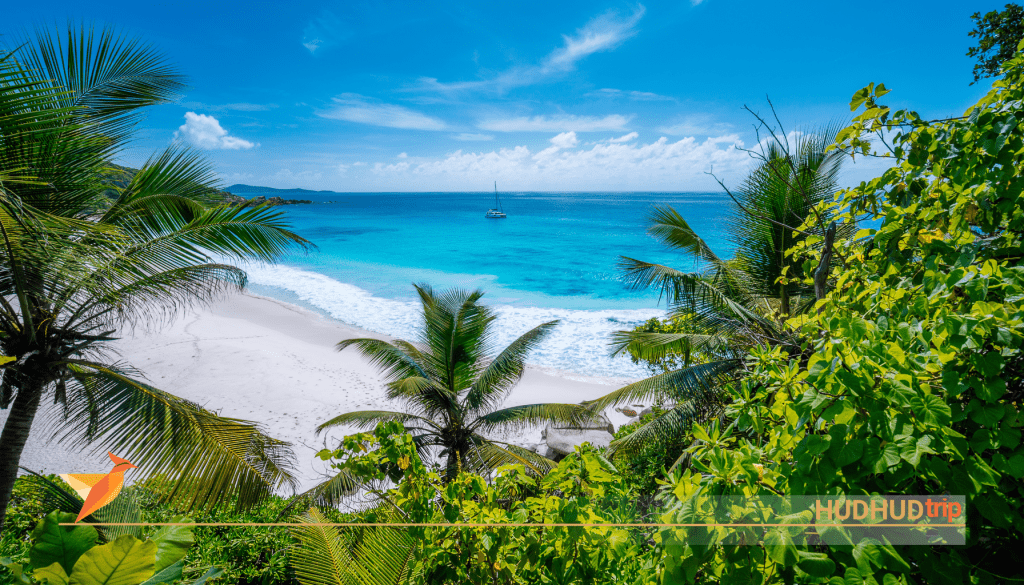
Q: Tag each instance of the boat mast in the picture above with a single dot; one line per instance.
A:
(496, 202)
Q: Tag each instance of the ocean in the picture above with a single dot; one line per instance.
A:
(554, 257)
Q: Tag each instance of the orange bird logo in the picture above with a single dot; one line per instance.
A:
(98, 489)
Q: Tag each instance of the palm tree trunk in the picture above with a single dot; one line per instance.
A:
(451, 470)
(14, 437)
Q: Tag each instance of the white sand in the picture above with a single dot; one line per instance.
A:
(263, 360)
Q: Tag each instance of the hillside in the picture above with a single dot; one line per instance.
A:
(122, 175)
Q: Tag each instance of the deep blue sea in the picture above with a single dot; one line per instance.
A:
(554, 257)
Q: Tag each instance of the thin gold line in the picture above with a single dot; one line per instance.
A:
(497, 525)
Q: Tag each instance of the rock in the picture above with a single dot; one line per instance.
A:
(646, 411)
(564, 440)
(628, 412)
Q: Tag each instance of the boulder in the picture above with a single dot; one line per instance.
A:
(563, 440)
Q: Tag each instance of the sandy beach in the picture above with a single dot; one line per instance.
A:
(264, 360)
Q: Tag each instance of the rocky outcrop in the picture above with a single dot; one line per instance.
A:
(563, 440)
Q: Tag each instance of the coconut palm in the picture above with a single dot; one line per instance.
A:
(81, 258)
(451, 386)
(729, 305)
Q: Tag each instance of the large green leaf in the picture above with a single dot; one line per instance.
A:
(168, 575)
(126, 561)
(53, 575)
(172, 542)
(60, 544)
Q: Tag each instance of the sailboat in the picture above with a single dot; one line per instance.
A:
(495, 213)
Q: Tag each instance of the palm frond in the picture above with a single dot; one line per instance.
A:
(493, 384)
(531, 415)
(697, 383)
(394, 361)
(209, 457)
(367, 419)
(488, 455)
(328, 555)
(327, 494)
(668, 426)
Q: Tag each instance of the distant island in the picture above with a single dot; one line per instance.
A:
(120, 176)
(244, 189)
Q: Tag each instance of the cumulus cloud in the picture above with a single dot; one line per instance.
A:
(663, 164)
(602, 33)
(206, 132)
(356, 108)
(561, 123)
(470, 137)
(627, 138)
(565, 140)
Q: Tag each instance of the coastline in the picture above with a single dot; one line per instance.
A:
(261, 359)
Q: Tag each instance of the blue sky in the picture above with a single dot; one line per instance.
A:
(567, 96)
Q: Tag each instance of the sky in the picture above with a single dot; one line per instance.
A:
(536, 96)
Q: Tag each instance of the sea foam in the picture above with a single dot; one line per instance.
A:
(579, 344)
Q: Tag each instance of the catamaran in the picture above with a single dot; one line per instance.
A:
(495, 213)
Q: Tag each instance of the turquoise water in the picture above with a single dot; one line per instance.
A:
(554, 256)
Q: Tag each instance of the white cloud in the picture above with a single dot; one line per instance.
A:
(695, 2)
(469, 137)
(359, 164)
(627, 138)
(561, 123)
(695, 125)
(603, 33)
(640, 96)
(403, 155)
(343, 168)
(206, 132)
(356, 108)
(680, 165)
(565, 140)
(312, 45)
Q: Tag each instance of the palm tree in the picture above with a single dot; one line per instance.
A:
(451, 387)
(81, 258)
(729, 305)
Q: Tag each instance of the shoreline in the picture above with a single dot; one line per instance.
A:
(265, 360)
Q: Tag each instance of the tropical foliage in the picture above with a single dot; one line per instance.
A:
(915, 379)
(524, 539)
(730, 305)
(998, 33)
(75, 267)
(74, 554)
(452, 383)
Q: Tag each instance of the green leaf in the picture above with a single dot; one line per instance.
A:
(53, 574)
(779, 545)
(931, 409)
(168, 575)
(172, 542)
(126, 561)
(816, 564)
(211, 573)
(850, 452)
(60, 544)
